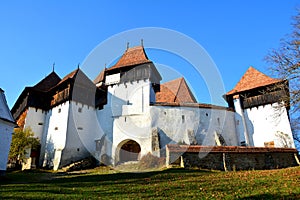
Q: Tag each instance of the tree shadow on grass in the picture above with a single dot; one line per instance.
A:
(91, 185)
(35, 176)
(126, 177)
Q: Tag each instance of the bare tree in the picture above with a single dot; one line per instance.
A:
(285, 64)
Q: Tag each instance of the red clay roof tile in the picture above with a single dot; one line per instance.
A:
(132, 56)
(252, 79)
(175, 91)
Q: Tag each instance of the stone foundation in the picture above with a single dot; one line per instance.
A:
(230, 157)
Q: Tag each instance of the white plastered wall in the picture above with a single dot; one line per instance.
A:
(174, 123)
(130, 104)
(56, 137)
(6, 130)
(269, 123)
(35, 120)
(83, 131)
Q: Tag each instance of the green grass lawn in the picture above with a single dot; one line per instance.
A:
(106, 183)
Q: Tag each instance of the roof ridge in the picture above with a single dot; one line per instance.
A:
(134, 47)
(48, 82)
(180, 82)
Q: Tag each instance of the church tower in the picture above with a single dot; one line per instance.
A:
(31, 111)
(260, 103)
(131, 85)
(72, 120)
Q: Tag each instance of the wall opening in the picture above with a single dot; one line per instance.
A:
(128, 151)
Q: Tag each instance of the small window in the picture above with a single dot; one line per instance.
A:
(59, 110)
(80, 110)
(78, 149)
(237, 122)
(56, 128)
(206, 114)
(80, 128)
(40, 123)
(165, 113)
(125, 119)
(183, 118)
(218, 119)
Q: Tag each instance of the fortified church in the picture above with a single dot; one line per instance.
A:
(126, 113)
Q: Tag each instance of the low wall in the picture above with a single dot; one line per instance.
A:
(230, 157)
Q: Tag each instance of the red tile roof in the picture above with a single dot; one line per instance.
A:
(175, 91)
(132, 56)
(192, 105)
(252, 79)
(225, 149)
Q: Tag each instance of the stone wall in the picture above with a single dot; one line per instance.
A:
(230, 157)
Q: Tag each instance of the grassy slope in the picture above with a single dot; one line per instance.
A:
(170, 183)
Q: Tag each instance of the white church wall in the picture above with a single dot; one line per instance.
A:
(171, 125)
(35, 120)
(105, 116)
(129, 98)
(130, 110)
(136, 128)
(181, 124)
(6, 131)
(269, 123)
(56, 137)
(105, 123)
(83, 130)
(241, 127)
(44, 136)
(224, 123)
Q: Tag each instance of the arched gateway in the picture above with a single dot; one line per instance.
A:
(128, 150)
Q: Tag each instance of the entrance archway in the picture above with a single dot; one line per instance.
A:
(129, 150)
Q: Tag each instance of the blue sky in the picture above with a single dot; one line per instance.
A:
(236, 34)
